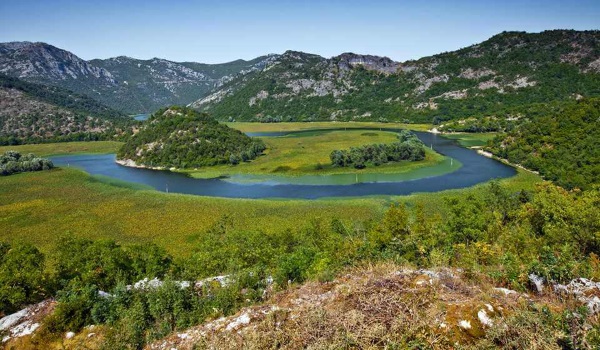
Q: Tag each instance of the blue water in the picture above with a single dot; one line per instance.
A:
(475, 169)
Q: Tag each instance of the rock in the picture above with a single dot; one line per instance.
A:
(464, 324)
(484, 318)
(241, 320)
(537, 281)
(69, 335)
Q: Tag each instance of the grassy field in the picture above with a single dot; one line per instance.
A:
(266, 127)
(39, 207)
(308, 154)
(62, 148)
(471, 139)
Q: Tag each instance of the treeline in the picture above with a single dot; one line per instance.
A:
(184, 138)
(489, 232)
(408, 147)
(12, 162)
(561, 143)
(110, 135)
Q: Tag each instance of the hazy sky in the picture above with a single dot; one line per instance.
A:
(221, 31)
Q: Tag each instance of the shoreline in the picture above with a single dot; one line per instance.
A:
(484, 153)
(503, 160)
(131, 164)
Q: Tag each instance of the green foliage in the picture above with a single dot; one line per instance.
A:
(12, 162)
(495, 231)
(408, 147)
(183, 138)
(105, 263)
(74, 308)
(22, 277)
(561, 143)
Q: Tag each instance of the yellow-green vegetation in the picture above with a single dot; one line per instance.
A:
(294, 126)
(466, 139)
(61, 148)
(37, 208)
(309, 155)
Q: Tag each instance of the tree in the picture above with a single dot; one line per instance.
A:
(22, 278)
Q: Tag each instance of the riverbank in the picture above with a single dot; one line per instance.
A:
(503, 160)
(132, 164)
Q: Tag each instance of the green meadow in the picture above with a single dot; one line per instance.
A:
(39, 207)
(472, 139)
(308, 154)
(295, 126)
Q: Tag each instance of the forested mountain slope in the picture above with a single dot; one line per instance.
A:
(32, 112)
(561, 143)
(510, 69)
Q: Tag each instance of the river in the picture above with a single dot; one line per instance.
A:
(475, 169)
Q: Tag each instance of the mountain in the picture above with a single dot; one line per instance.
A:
(32, 112)
(125, 84)
(184, 138)
(508, 70)
(156, 83)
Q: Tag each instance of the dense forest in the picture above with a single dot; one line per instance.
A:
(184, 138)
(12, 162)
(560, 141)
(408, 147)
(492, 234)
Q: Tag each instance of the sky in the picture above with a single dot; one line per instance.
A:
(222, 31)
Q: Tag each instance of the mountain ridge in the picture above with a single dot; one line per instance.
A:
(508, 70)
(124, 83)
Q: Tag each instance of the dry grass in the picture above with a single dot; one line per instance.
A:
(383, 307)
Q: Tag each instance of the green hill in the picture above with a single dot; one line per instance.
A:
(184, 138)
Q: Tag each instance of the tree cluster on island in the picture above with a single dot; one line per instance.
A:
(408, 147)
